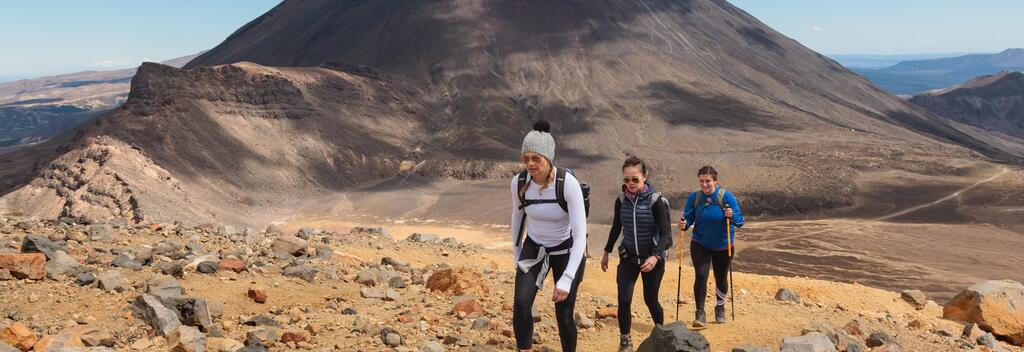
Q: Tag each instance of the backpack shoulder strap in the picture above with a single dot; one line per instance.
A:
(560, 188)
(523, 178)
(721, 197)
(698, 206)
(655, 197)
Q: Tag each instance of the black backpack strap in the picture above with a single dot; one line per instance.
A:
(560, 189)
(523, 178)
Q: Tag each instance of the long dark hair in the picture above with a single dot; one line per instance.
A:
(708, 170)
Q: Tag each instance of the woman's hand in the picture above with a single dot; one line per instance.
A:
(604, 262)
(728, 212)
(682, 224)
(649, 264)
(559, 295)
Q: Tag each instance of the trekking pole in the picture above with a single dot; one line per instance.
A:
(679, 276)
(728, 239)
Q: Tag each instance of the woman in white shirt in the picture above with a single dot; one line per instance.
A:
(555, 237)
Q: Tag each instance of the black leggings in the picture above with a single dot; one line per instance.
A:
(625, 277)
(526, 292)
(703, 260)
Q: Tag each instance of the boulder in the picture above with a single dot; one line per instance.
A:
(40, 244)
(287, 247)
(110, 280)
(84, 279)
(996, 306)
(787, 295)
(674, 337)
(813, 342)
(152, 311)
(164, 287)
(127, 262)
(258, 294)
(61, 265)
(24, 265)
(302, 272)
(916, 298)
(460, 281)
(207, 267)
(232, 264)
(186, 339)
(583, 321)
(880, 338)
(424, 237)
(18, 335)
(468, 306)
(751, 348)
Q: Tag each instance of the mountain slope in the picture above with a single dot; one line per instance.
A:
(993, 102)
(916, 76)
(445, 90)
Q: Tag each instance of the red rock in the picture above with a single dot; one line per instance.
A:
(70, 337)
(18, 335)
(233, 264)
(294, 336)
(468, 306)
(461, 281)
(258, 294)
(24, 265)
(607, 312)
(996, 306)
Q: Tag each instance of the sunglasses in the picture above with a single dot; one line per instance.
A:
(630, 180)
(534, 158)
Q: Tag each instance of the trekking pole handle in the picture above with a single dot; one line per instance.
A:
(728, 231)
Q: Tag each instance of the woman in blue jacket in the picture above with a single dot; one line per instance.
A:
(707, 210)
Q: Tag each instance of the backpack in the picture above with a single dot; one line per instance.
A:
(698, 203)
(559, 196)
(656, 197)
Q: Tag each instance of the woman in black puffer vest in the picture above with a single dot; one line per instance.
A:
(641, 216)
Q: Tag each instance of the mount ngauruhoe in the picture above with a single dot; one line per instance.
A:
(336, 99)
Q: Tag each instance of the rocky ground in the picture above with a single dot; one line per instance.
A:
(72, 287)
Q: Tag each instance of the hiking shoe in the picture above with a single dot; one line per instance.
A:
(701, 320)
(625, 343)
(720, 314)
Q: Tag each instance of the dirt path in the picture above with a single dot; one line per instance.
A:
(740, 247)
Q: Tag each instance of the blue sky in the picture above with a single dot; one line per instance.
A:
(41, 37)
(894, 26)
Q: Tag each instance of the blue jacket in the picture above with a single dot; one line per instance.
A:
(710, 230)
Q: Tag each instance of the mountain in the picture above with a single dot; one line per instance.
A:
(342, 104)
(913, 77)
(875, 61)
(993, 102)
(32, 110)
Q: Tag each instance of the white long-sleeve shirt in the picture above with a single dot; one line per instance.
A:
(549, 225)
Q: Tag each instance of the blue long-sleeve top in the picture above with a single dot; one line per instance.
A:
(710, 230)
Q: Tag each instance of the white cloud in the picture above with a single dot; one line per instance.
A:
(818, 29)
(112, 63)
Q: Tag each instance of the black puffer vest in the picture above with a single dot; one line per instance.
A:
(639, 228)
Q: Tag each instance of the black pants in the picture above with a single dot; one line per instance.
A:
(526, 292)
(703, 260)
(625, 277)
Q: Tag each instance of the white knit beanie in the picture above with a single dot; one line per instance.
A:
(540, 141)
